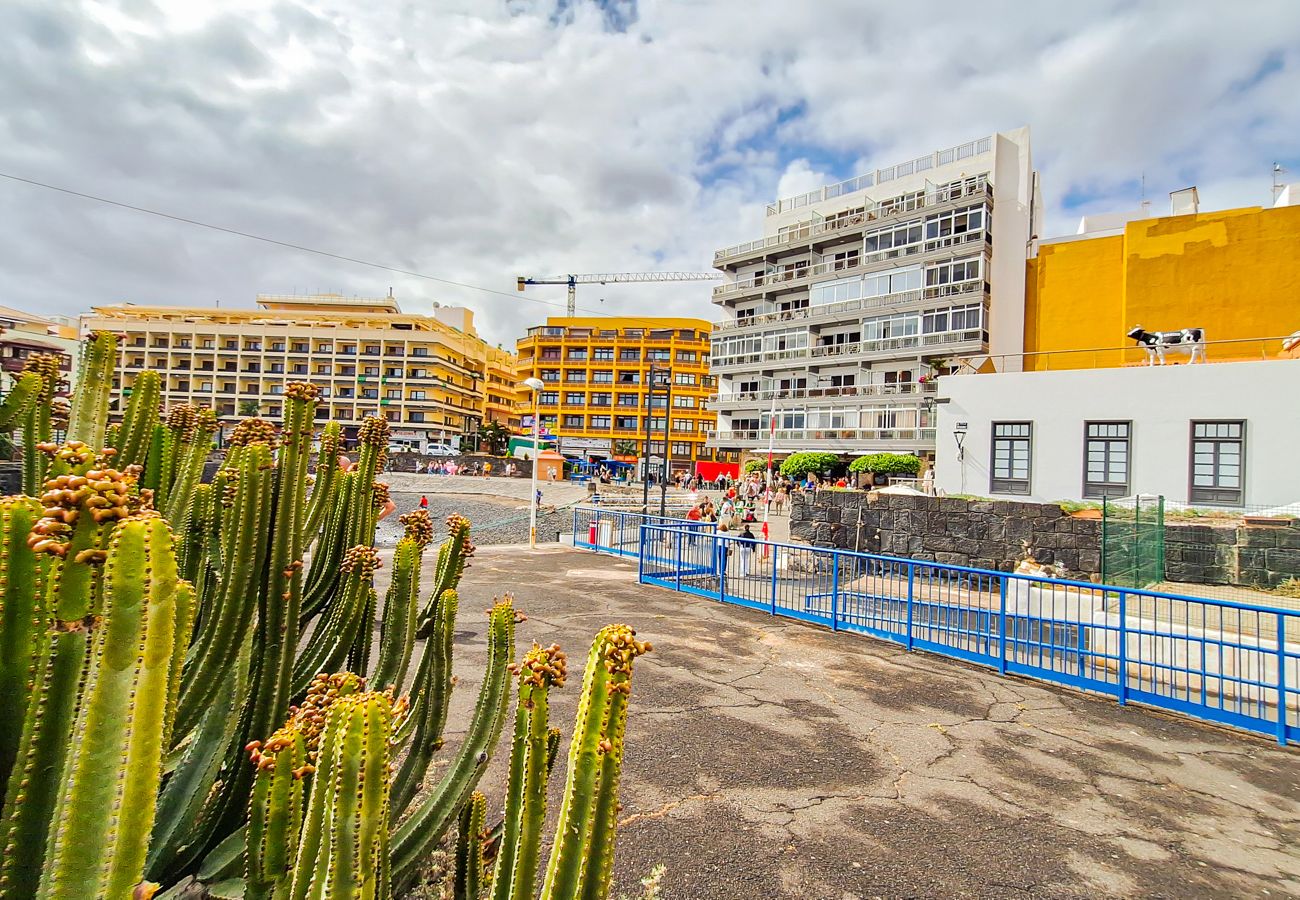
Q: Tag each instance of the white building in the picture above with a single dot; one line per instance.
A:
(859, 292)
(1218, 434)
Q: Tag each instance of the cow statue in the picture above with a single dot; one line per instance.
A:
(1291, 345)
(1159, 343)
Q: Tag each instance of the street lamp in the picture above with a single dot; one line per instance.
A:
(535, 385)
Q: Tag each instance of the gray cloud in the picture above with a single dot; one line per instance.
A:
(477, 141)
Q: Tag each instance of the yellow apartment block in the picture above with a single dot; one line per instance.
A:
(596, 371)
(1234, 273)
(431, 376)
(503, 396)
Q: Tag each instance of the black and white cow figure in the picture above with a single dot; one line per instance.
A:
(1159, 343)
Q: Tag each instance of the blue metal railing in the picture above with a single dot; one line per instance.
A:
(618, 532)
(1233, 663)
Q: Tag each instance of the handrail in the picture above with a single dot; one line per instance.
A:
(1264, 348)
(1020, 576)
(880, 301)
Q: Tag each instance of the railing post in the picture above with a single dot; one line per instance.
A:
(575, 526)
(720, 566)
(911, 590)
(679, 560)
(1281, 679)
(640, 555)
(1002, 625)
(775, 551)
(1122, 694)
(835, 590)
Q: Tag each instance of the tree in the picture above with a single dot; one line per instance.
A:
(494, 437)
(249, 407)
(625, 448)
(800, 465)
(755, 465)
(887, 464)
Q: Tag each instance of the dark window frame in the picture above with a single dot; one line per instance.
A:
(1108, 490)
(1216, 495)
(1011, 485)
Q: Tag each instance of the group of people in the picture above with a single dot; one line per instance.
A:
(479, 468)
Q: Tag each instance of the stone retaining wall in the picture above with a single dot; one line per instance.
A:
(986, 534)
(1248, 555)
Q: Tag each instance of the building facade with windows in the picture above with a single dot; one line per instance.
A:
(1202, 435)
(859, 294)
(22, 334)
(428, 375)
(596, 371)
(502, 394)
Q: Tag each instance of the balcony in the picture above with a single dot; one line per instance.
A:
(841, 227)
(949, 341)
(823, 395)
(836, 311)
(836, 439)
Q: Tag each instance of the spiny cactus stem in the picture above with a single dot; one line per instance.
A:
(21, 628)
(102, 824)
(428, 822)
(468, 882)
(432, 693)
(136, 433)
(94, 389)
(21, 397)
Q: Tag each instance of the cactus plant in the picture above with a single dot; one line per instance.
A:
(105, 810)
(129, 700)
(20, 398)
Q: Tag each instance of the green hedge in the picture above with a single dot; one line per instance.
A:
(799, 465)
(887, 464)
(755, 465)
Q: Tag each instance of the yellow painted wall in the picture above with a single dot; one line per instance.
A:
(1235, 273)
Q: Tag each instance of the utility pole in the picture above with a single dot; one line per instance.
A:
(668, 455)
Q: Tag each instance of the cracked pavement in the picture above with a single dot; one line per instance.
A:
(767, 758)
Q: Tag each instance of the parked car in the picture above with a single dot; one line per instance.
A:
(440, 450)
(400, 448)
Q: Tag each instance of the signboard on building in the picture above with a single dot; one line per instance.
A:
(585, 445)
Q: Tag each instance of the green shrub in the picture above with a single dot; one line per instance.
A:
(799, 465)
(754, 465)
(887, 464)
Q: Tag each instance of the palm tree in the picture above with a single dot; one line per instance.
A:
(249, 407)
(495, 437)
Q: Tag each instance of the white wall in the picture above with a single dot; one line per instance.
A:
(1160, 401)
(1013, 198)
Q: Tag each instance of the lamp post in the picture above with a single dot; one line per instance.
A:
(535, 385)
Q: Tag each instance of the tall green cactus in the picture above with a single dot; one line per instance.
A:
(344, 850)
(228, 623)
(36, 422)
(282, 594)
(471, 870)
(21, 625)
(530, 758)
(276, 812)
(582, 857)
(329, 644)
(401, 603)
(19, 400)
(432, 692)
(135, 434)
(83, 504)
(101, 826)
(190, 452)
(426, 824)
(94, 389)
(327, 467)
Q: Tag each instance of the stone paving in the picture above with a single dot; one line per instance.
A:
(768, 758)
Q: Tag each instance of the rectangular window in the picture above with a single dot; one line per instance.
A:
(681, 449)
(548, 398)
(1105, 459)
(600, 422)
(627, 423)
(683, 378)
(629, 400)
(601, 399)
(684, 402)
(602, 376)
(573, 421)
(575, 398)
(1012, 446)
(1218, 463)
(603, 353)
(629, 355)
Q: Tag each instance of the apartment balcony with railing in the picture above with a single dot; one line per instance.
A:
(836, 439)
(836, 228)
(793, 278)
(829, 312)
(972, 340)
(823, 395)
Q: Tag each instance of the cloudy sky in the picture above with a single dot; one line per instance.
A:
(473, 140)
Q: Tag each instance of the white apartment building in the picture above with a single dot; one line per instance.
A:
(860, 293)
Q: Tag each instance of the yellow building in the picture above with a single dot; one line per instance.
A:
(22, 334)
(596, 370)
(431, 376)
(1234, 273)
(503, 396)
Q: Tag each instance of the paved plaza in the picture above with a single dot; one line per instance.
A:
(770, 758)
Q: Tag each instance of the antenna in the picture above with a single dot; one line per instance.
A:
(1278, 172)
(1146, 204)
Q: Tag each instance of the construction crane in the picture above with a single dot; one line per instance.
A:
(572, 281)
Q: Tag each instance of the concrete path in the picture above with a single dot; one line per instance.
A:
(767, 758)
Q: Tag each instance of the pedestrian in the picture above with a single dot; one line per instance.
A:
(780, 499)
(424, 502)
(746, 542)
(487, 469)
